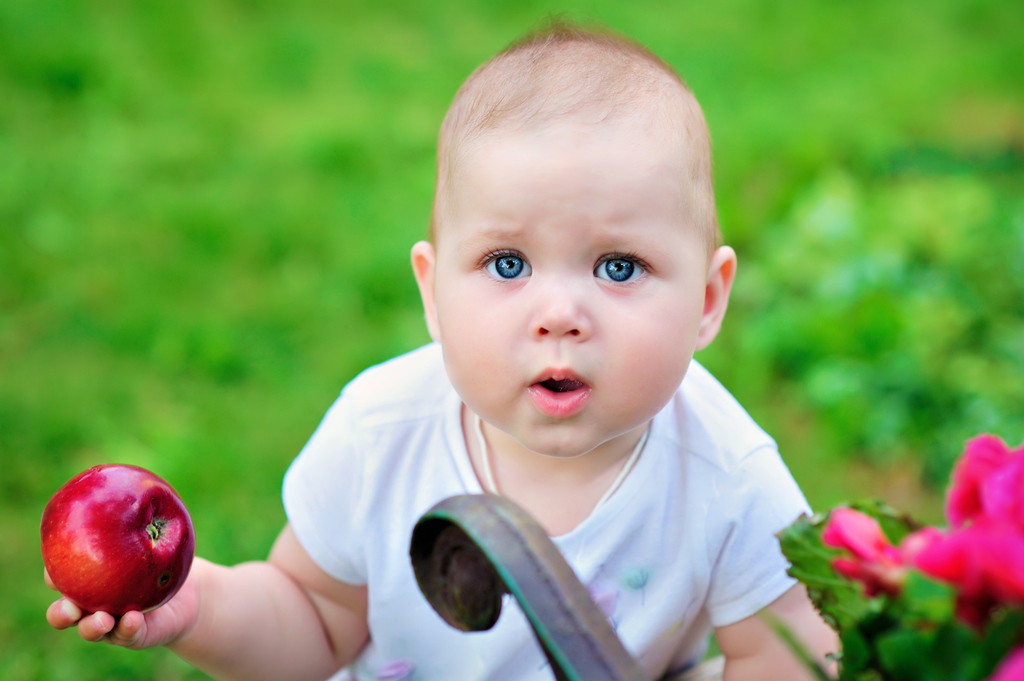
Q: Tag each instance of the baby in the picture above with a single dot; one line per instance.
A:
(574, 267)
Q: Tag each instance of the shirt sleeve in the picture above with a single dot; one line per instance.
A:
(749, 571)
(321, 495)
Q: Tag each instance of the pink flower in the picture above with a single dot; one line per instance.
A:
(858, 533)
(1011, 668)
(984, 561)
(916, 542)
(1002, 492)
(988, 480)
(875, 562)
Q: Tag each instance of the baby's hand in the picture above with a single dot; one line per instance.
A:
(134, 629)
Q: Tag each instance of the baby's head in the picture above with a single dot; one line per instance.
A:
(574, 266)
(565, 75)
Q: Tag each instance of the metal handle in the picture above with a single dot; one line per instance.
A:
(470, 550)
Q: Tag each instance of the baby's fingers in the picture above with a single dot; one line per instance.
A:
(62, 614)
(96, 626)
(126, 631)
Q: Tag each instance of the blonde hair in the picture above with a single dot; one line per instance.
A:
(565, 71)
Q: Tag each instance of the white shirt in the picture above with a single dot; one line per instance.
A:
(686, 542)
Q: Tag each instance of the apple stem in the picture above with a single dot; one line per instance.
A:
(156, 528)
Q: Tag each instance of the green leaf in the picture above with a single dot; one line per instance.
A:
(840, 601)
(857, 654)
(1004, 633)
(926, 599)
(894, 524)
(865, 675)
(906, 655)
(950, 652)
(958, 652)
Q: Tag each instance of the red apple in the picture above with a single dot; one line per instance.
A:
(117, 538)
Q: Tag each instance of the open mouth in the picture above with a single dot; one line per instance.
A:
(560, 397)
(565, 385)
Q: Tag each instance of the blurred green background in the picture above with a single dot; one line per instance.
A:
(206, 210)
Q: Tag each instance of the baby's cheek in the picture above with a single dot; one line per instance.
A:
(476, 368)
(655, 369)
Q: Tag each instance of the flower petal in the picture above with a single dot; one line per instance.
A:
(916, 542)
(984, 560)
(856, 532)
(1002, 491)
(983, 455)
(1011, 668)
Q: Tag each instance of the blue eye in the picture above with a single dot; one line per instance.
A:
(616, 269)
(508, 267)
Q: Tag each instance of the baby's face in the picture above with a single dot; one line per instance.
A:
(567, 285)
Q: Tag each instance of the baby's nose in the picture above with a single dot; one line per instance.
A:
(542, 331)
(561, 315)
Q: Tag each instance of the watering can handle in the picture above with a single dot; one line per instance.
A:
(470, 550)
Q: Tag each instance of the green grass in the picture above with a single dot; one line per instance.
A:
(206, 210)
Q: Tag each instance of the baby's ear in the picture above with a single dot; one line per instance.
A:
(721, 273)
(424, 260)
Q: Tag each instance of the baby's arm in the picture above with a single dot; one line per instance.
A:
(753, 652)
(280, 619)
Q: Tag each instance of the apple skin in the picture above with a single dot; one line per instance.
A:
(117, 538)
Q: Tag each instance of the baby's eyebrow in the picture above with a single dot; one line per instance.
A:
(490, 238)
